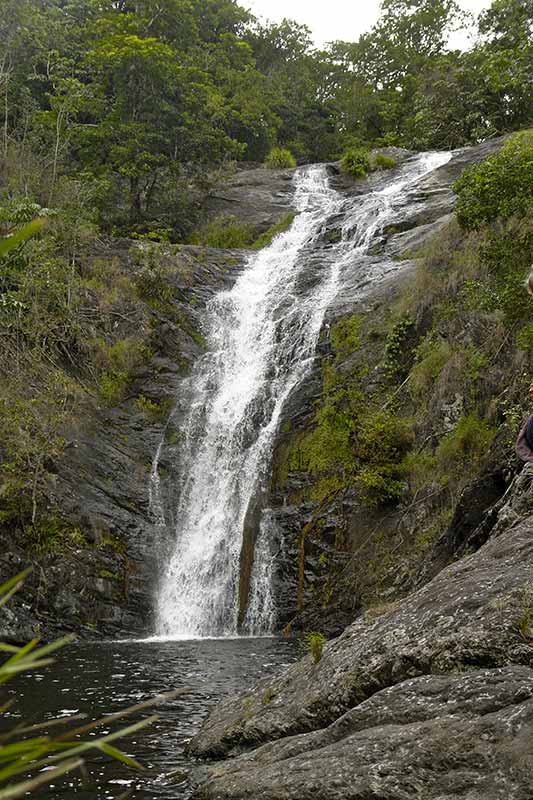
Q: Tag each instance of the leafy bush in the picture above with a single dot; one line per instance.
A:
(32, 421)
(315, 642)
(432, 355)
(112, 387)
(356, 162)
(345, 335)
(152, 409)
(396, 345)
(381, 161)
(382, 440)
(524, 338)
(461, 450)
(500, 186)
(151, 280)
(224, 231)
(280, 158)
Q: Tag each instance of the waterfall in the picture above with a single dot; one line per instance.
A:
(261, 339)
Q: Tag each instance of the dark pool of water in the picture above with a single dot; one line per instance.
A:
(102, 678)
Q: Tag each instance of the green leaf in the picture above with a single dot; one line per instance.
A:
(9, 243)
(118, 755)
(21, 789)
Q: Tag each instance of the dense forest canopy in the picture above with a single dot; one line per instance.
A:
(127, 103)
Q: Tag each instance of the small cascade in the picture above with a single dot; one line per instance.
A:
(261, 340)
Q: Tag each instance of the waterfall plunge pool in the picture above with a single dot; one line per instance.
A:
(106, 677)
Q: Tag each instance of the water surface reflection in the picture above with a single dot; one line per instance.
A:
(101, 678)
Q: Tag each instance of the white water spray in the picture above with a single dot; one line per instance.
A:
(261, 337)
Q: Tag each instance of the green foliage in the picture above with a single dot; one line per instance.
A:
(280, 158)
(112, 576)
(107, 540)
(224, 232)
(381, 161)
(156, 411)
(500, 186)
(395, 346)
(432, 355)
(31, 756)
(381, 442)
(524, 338)
(7, 244)
(315, 642)
(461, 450)
(345, 336)
(151, 280)
(140, 102)
(266, 238)
(112, 387)
(268, 695)
(117, 361)
(351, 444)
(356, 162)
(32, 420)
(52, 534)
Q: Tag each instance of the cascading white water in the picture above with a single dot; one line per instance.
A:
(261, 336)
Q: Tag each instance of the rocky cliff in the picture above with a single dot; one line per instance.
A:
(432, 699)
(419, 542)
(103, 582)
(95, 567)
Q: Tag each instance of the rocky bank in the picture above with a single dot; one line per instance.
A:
(432, 699)
(427, 691)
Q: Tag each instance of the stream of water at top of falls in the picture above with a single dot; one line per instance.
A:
(261, 339)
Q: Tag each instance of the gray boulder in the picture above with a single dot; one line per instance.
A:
(442, 737)
(476, 613)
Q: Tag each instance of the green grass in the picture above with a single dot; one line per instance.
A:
(280, 158)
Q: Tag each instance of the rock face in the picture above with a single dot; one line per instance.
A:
(105, 585)
(432, 699)
(433, 737)
(340, 528)
(259, 197)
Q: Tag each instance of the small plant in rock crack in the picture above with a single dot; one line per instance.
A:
(315, 642)
(524, 622)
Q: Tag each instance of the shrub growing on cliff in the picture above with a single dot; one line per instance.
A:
(381, 161)
(461, 450)
(433, 354)
(225, 231)
(356, 162)
(280, 158)
(315, 642)
(381, 441)
(500, 186)
(266, 238)
(345, 336)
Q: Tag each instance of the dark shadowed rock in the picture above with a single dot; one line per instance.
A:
(100, 485)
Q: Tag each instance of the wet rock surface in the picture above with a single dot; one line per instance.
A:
(439, 736)
(105, 587)
(472, 614)
(432, 699)
(259, 197)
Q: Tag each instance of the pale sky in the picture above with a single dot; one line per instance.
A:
(339, 19)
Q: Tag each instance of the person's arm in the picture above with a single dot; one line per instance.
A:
(523, 450)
